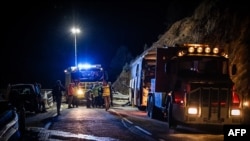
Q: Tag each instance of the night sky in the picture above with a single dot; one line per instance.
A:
(37, 44)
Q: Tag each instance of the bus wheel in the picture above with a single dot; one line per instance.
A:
(170, 119)
(151, 108)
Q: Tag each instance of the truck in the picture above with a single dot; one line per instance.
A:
(85, 76)
(186, 84)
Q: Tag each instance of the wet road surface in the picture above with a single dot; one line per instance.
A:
(117, 124)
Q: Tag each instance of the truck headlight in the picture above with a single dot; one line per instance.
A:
(235, 112)
(79, 92)
(192, 110)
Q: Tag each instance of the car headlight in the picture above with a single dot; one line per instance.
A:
(192, 110)
(235, 112)
(79, 92)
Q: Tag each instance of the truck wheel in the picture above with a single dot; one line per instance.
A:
(141, 108)
(151, 108)
(170, 119)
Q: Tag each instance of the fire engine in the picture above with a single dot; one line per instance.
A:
(186, 84)
(85, 76)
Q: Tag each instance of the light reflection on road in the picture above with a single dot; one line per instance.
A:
(46, 135)
(196, 137)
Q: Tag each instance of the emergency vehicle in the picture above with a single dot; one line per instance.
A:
(186, 84)
(84, 76)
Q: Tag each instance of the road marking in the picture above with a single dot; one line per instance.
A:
(143, 130)
(128, 120)
(47, 125)
(123, 122)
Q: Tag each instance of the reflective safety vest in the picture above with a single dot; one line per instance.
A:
(71, 89)
(105, 90)
(95, 91)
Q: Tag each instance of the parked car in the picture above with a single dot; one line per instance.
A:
(24, 97)
(10, 123)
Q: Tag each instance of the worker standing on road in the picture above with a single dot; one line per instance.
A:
(57, 95)
(89, 98)
(71, 91)
(106, 94)
(111, 93)
(75, 101)
(42, 99)
(95, 95)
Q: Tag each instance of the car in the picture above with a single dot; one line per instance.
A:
(24, 96)
(10, 123)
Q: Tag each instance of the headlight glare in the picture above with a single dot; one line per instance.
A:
(235, 112)
(199, 49)
(191, 49)
(79, 91)
(192, 111)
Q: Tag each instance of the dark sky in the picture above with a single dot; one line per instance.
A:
(37, 44)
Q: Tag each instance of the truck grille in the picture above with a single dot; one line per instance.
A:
(213, 102)
(209, 96)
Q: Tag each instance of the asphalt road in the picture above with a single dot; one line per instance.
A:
(82, 123)
(123, 123)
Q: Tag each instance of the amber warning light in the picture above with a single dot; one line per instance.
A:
(236, 132)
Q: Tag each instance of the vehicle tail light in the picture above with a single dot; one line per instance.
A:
(179, 97)
(235, 98)
(235, 111)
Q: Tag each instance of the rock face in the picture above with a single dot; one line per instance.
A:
(217, 23)
(122, 83)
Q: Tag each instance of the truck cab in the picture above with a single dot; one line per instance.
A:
(189, 84)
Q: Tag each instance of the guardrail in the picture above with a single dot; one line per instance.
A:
(47, 95)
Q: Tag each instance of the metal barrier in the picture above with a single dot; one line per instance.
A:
(47, 94)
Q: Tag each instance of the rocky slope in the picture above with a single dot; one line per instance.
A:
(217, 23)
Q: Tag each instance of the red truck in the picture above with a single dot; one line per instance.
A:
(186, 84)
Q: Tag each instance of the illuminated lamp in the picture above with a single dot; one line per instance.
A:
(73, 68)
(235, 112)
(207, 50)
(181, 53)
(216, 50)
(79, 92)
(224, 54)
(199, 49)
(84, 66)
(192, 111)
(191, 49)
(246, 104)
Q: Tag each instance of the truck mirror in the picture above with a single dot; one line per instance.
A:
(167, 68)
(234, 69)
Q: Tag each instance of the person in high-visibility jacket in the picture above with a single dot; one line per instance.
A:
(95, 91)
(106, 94)
(71, 92)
